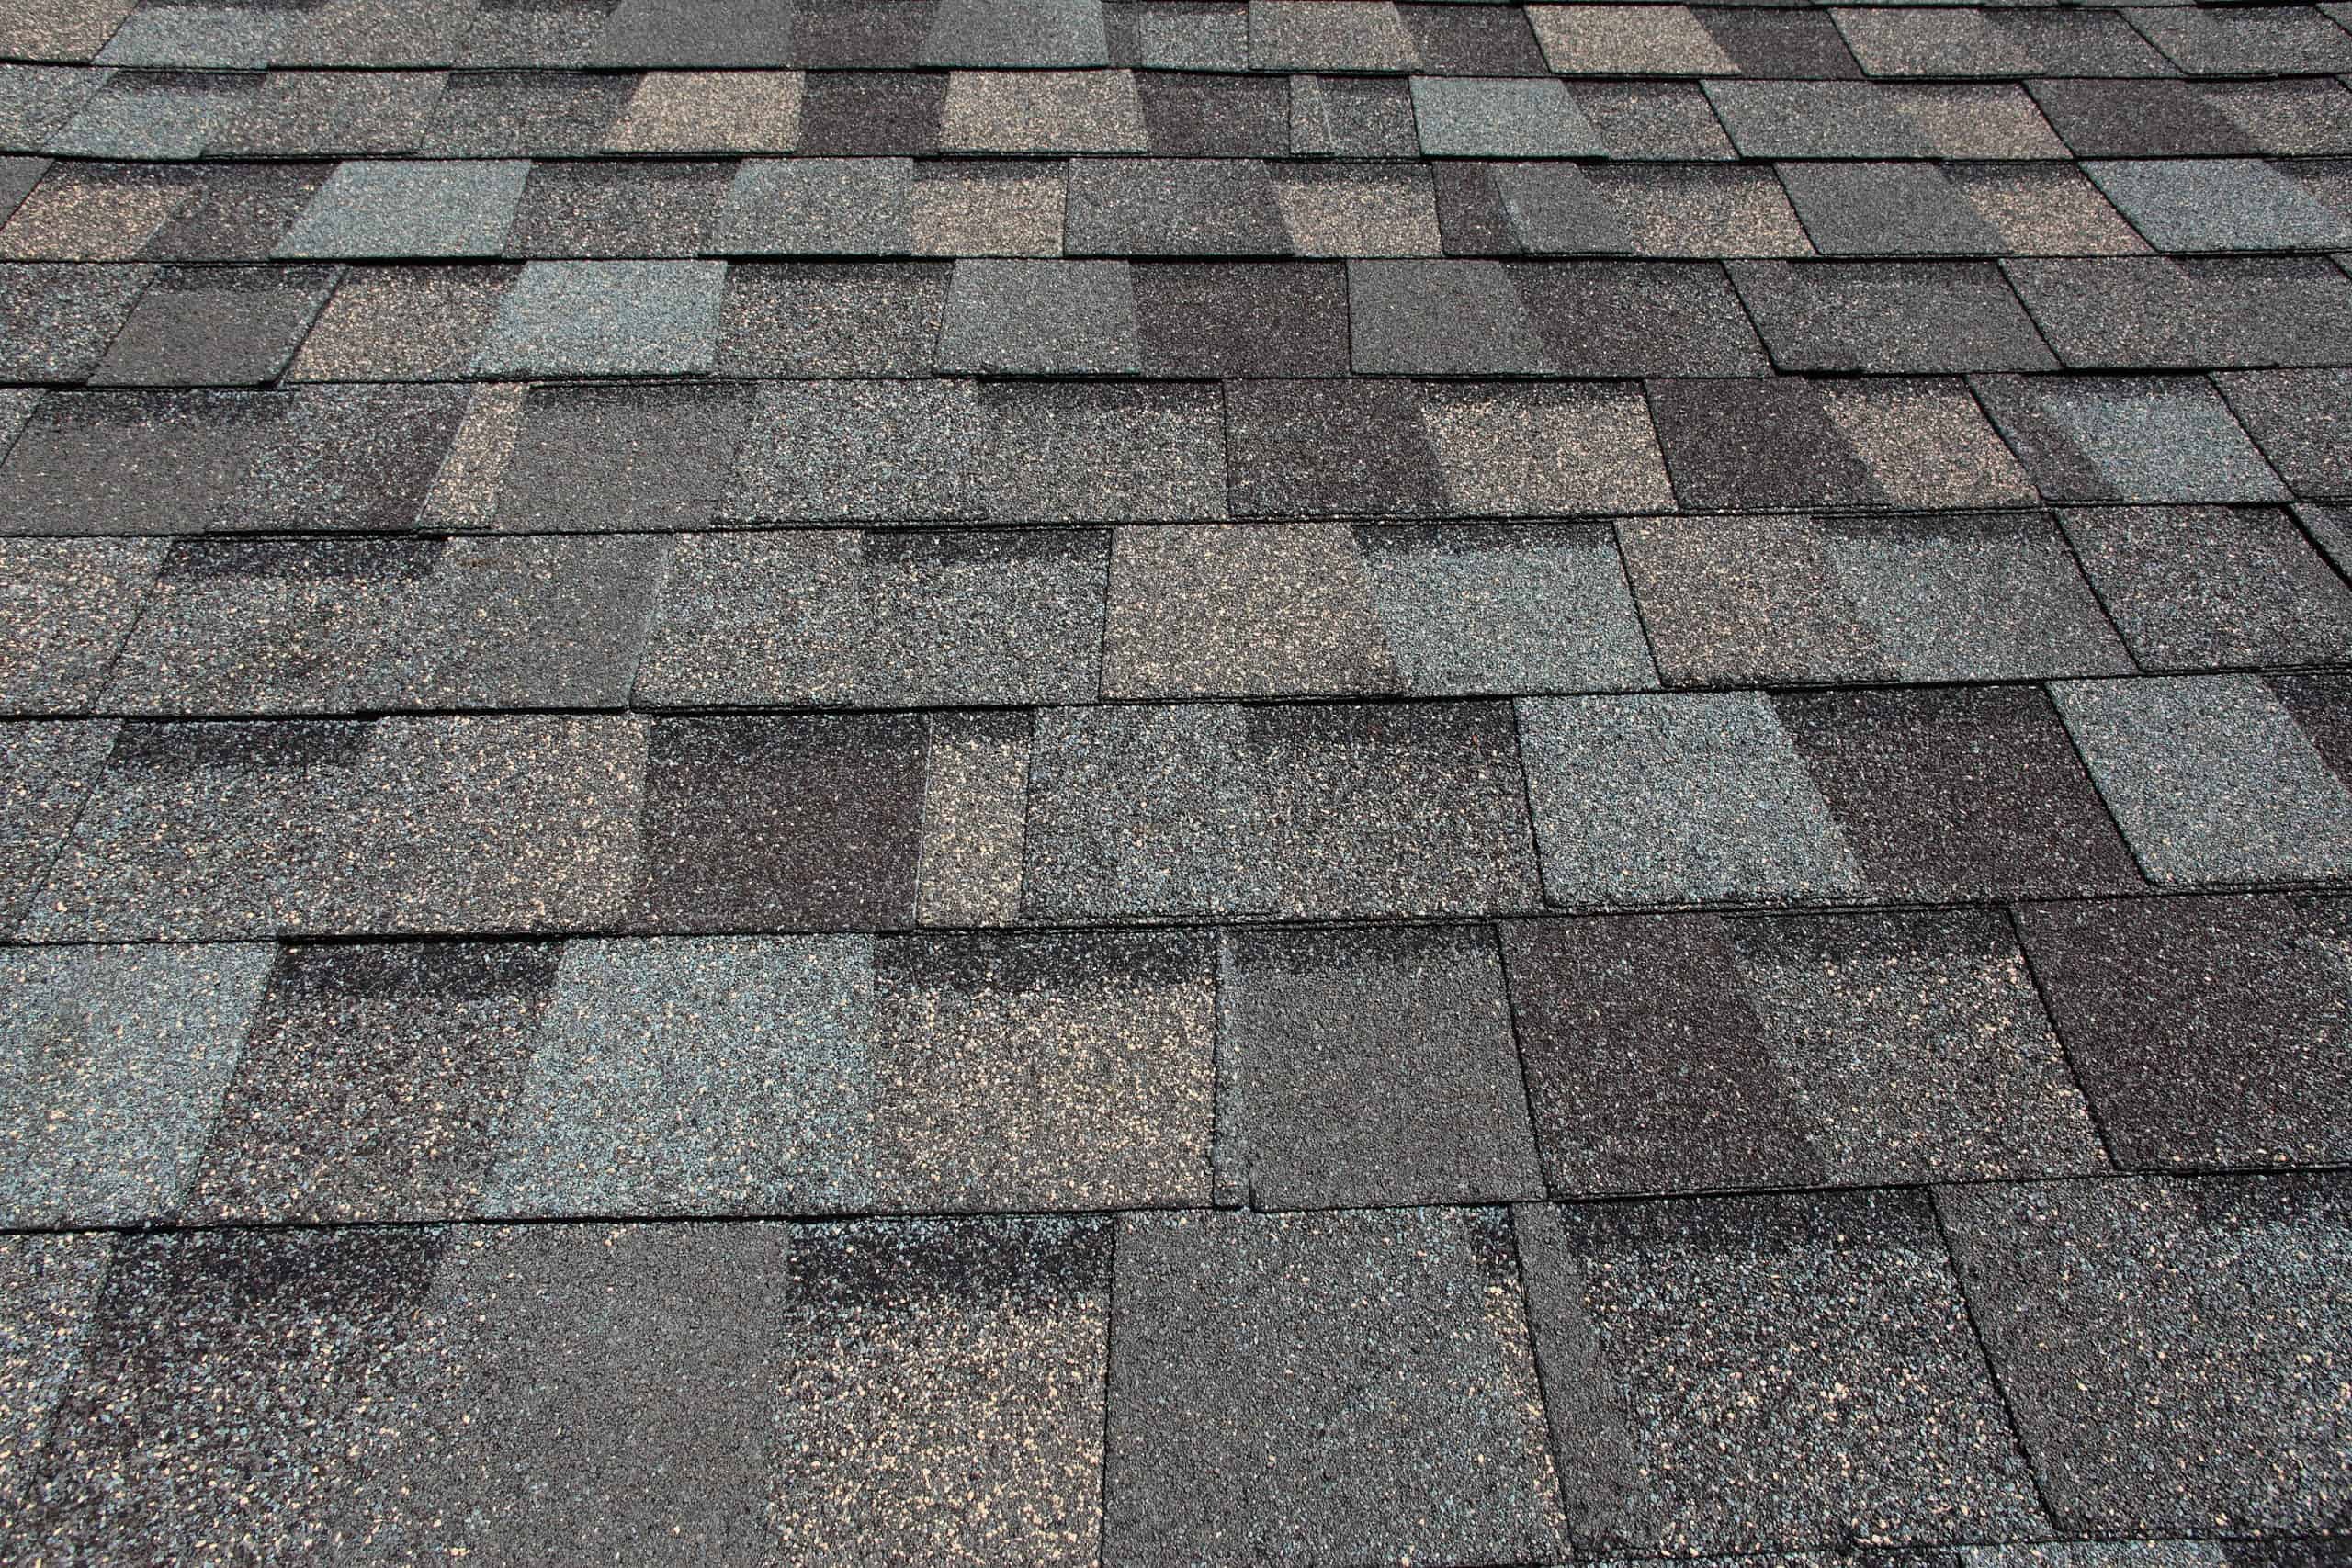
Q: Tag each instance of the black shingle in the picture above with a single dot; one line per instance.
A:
(2217, 312)
(235, 326)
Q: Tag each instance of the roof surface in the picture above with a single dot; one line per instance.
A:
(1175, 782)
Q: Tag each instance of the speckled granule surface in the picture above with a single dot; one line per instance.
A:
(1207, 782)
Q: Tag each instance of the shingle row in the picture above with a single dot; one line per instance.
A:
(1301, 1069)
(134, 323)
(1262, 35)
(1717, 1374)
(446, 210)
(328, 114)
(940, 618)
(148, 829)
(582, 458)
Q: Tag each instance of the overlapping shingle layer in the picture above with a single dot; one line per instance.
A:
(1175, 780)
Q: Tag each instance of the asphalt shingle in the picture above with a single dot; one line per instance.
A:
(65, 607)
(371, 1081)
(896, 618)
(1242, 609)
(819, 207)
(234, 325)
(1682, 1052)
(329, 114)
(1738, 600)
(422, 208)
(1394, 1346)
(1470, 449)
(1472, 608)
(2159, 313)
(56, 320)
(1242, 319)
(582, 458)
(1768, 1373)
(1891, 318)
(2166, 1342)
(1070, 1071)
(133, 462)
(269, 626)
(109, 1114)
(2302, 419)
(1794, 444)
(1371, 1068)
(1065, 318)
(95, 211)
(1500, 117)
(640, 207)
(2219, 204)
(403, 323)
(2218, 778)
(2213, 588)
(338, 826)
(606, 318)
(766, 823)
(2155, 438)
(1301, 811)
(2205, 1030)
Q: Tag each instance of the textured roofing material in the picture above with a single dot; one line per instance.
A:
(1063, 782)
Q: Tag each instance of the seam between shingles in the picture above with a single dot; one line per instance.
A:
(171, 1225)
(2058, 1033)
(1992, 1368)
(1197, 921)
(1103, 1461)
(2099, 597)
(656, 613)
(1641, 615)
(1527, 1311)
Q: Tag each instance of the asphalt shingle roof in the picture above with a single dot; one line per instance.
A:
(1059, 781)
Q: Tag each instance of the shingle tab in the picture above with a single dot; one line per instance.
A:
(372, 1081)
(2136, 1323)
(767, 823)
(1648, 800)
(1069, 1071)
(1677, 1053)
(583, 458)
(2216, 778)
(2159, 313)
(1734, 601)
(372, 625)
(1842, 1307)
(1500, 607)
(111, 1112)
(1891, 318)
(2302, 422)
(65, 607)
(1241, 609)
(2213, 588)
(215, 326)
(2205, 1030)
(338, 826)
(607, 318)
(2157, 438)
(422, 208)
(1068, 318)
(900, 618)
(56, 320)
(2219, 204)
(1373, 1068)
(1293, 811)
(1500, 117)
(1393, 1346)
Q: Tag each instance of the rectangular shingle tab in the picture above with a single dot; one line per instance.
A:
(1238, 1335)
(1843, 1305)
(1668, 1052)
(2112, 1308)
